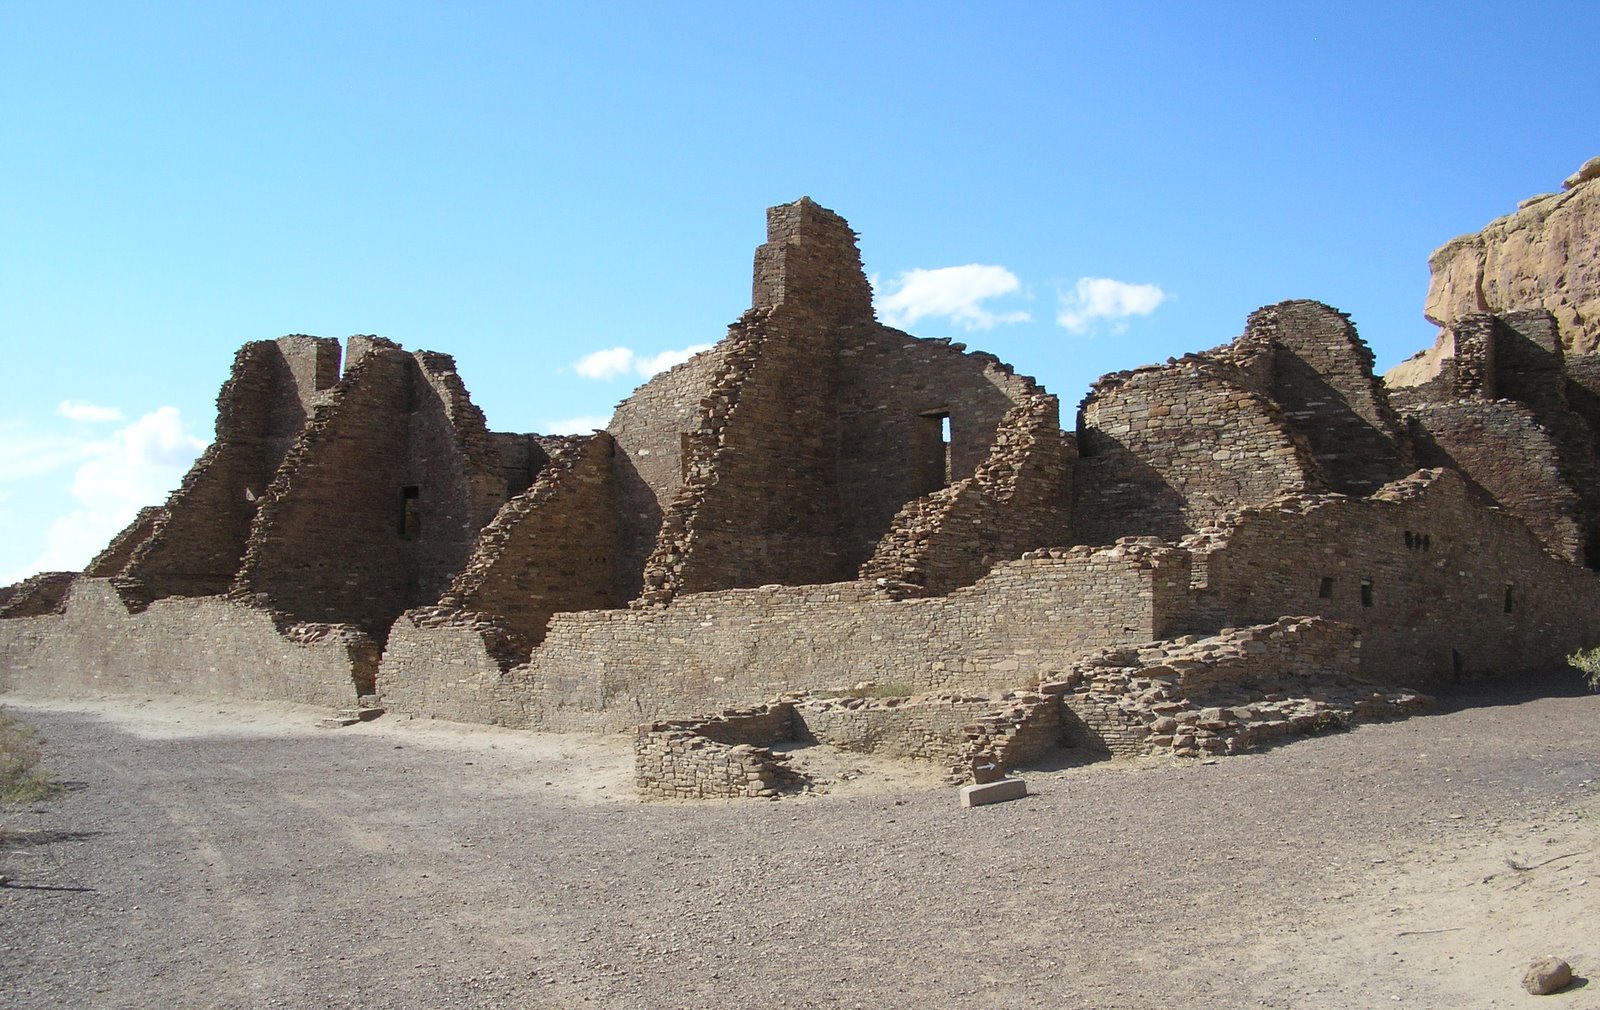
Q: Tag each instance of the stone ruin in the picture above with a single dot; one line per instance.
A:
(1260, 539)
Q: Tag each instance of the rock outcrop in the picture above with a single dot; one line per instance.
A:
(1546, 255)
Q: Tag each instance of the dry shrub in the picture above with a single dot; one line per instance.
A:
(21, 778)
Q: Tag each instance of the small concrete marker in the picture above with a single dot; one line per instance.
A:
(981, 794)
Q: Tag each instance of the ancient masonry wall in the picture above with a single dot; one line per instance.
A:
(956, 730)
(1314, 366)
(653, 429)
(928, 727)
(550, 548)
(767, 512)
(45, 593)
(1226, 693)
(609, 669)
(204, 647)
(1018, 500)
(194, 547)
(379, 501)
(1169, 449)
(1498, 408)
(1500, 446)
(896, 394)
(1438, 586)
(116, 555)
(720, 757)
(810, 258)
(521, 456)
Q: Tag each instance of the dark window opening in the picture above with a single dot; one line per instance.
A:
(1591, 550)
(411, 511)
(1458, 666)
(1510, 597)
(1411, 541)
(1427, 542)
(933, 449)
(1325, 591)
(1366, 592)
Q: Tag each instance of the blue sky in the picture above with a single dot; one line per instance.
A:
(525, 187)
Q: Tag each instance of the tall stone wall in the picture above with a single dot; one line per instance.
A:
(116, 555)
(1169, 449)
(1501, 448)
(205, 647)
(549, 549)
(1018, 500)
(194, 548)
(45, 593)
(896, 394)
(1319, 372)
(378, 503)
(810, 259)
(1500, 407)
(652, 430)
(770, 511)
(1439, 586)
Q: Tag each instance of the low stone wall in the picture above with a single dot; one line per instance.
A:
(930, 727)
(198, 646)
(718, 757)
(1226, 693)
(1024, 728)
(1026, 621)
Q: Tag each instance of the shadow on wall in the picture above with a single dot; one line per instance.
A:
(1119, 495)
(1356, 457)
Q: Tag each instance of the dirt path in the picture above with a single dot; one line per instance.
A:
(234, 856)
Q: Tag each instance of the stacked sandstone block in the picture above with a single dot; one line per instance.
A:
(714, 758)
(1225, 694)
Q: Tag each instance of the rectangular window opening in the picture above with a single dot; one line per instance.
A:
(933, 449)
(1510, 597)
(1325, 590)
(411, 511)
(1366, 592)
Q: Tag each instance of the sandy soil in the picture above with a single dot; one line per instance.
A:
(212, 855)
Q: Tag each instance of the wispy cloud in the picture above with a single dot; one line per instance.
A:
(583, 424)
(137, 465)
(654, 363)
(614, 362)
(606, 364)
(25, 453)
(72, 410)
(1100, 299)
(954, 293)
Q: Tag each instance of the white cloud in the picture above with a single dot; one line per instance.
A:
(136, 466)
(617, 361)
(583, 424)
(954, 293)
(72, 410)
(607, 364)
(1100, 298)
(25, 454)
(666, 359)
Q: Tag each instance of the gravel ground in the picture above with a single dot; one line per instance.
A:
(235, 856)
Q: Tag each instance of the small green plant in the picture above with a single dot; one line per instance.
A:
(21, 778)
(1587, 662)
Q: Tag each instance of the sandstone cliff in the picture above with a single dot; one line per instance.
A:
(1546, 255)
